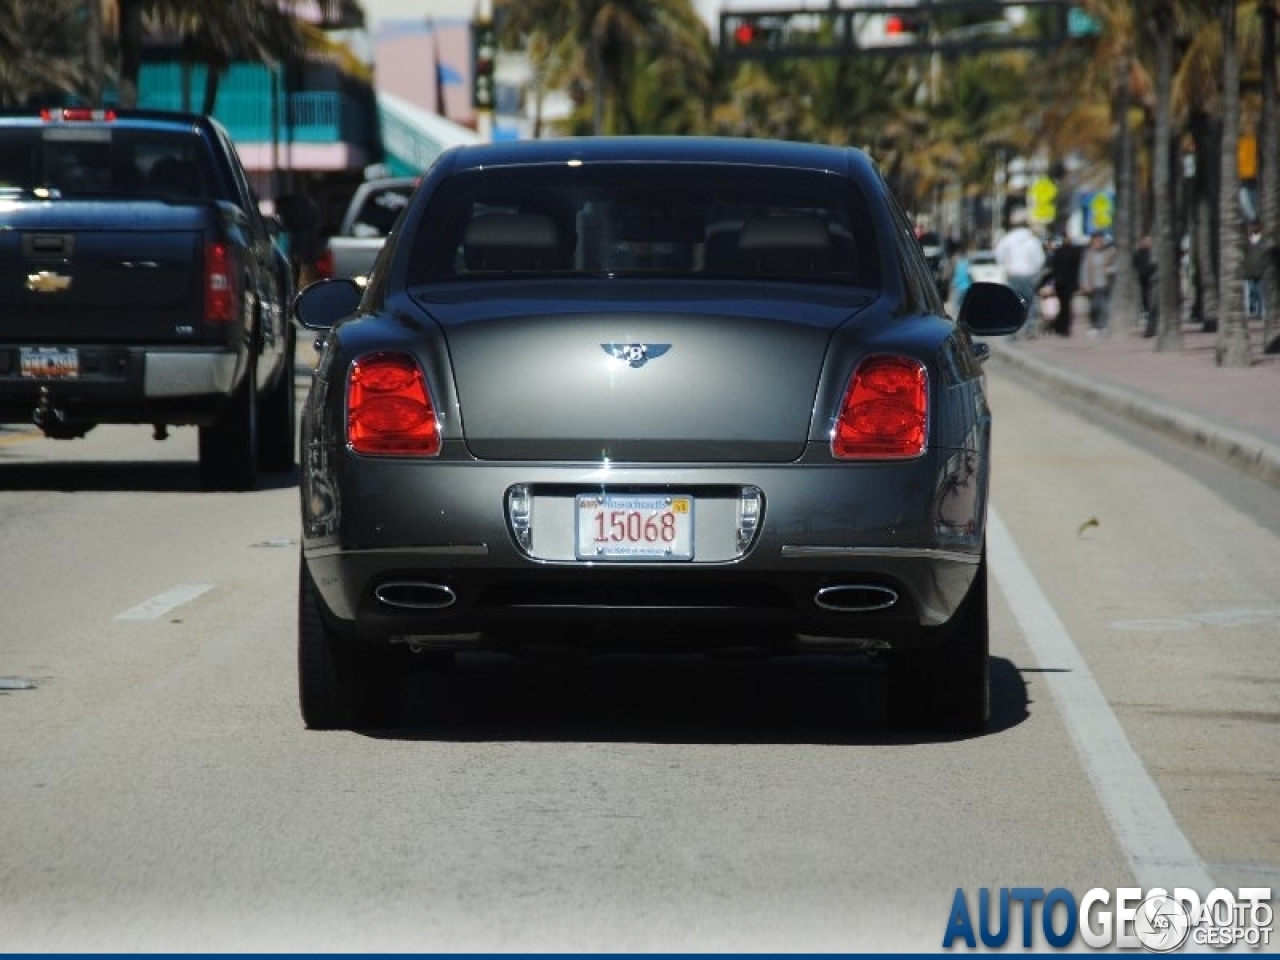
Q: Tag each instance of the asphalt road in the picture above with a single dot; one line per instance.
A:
(158, 790)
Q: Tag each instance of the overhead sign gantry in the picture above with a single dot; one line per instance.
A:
(888, 28)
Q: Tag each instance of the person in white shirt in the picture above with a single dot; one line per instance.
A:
(1021, 256)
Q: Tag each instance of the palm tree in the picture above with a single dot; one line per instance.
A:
(213, 33)
(42, 52)
(1117, 61)
(1232, 347)
(1197, 97)
(1107, 101)
(606, 46)
(1269, 171)
(1169, 334)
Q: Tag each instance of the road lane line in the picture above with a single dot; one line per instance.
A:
(162, 603)
(1158, 852)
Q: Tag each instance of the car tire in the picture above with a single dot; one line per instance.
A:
(229, 446)
(946, 688)
(277, 421)
(342, 684)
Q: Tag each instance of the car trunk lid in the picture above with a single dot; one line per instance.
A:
(718, 381)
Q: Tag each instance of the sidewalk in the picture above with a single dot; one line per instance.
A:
(1233, 414)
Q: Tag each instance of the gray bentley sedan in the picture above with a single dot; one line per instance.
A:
(660, 394)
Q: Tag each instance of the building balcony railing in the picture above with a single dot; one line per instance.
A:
(254, 107)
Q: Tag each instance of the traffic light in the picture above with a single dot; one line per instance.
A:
(484, 55)
(900, 27)
(751, 32)
(896, 25)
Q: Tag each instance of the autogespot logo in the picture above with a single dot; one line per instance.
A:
(1161, 924)
(1155, 920)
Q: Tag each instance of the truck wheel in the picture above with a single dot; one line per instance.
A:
(946, 688)
(277, 427)
(229, 447)
(342, 684)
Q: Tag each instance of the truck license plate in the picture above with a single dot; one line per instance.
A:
(624, 526)
(50, 363)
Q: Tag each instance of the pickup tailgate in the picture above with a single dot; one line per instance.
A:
(102, 272)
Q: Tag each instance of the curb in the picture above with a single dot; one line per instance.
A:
(1251, 455)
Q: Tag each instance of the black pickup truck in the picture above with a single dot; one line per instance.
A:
(141, 283)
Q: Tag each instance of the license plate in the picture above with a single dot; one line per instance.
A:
(50, 363)
(624, 526)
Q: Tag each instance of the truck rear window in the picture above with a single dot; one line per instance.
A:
(87, 161)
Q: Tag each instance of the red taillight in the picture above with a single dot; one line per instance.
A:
(324, 265)
(885, 414)
(389, 411)
(219, 284)
(76, 114)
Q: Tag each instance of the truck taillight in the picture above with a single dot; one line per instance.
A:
(885, 413)
(219, 284)
(324, 265)
(389, 409)
(76, 114)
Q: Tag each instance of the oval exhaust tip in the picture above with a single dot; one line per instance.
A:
(855, 598)
(415, 595)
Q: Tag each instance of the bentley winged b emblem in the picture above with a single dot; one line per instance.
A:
(636, 354)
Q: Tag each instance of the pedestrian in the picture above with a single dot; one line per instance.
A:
(1097, 272)
(300, 216)
(961, 277)
(1255, 263)
(1144, 264)
(1021, 256)
(1064, 268)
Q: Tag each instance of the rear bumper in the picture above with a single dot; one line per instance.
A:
(862, 600)
(125, 384)
(877, 555)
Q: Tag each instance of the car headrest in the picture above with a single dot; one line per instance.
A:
(785, 232)
(512, 241)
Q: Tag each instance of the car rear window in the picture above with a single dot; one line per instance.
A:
(646, 219)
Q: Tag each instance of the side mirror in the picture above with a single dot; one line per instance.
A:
(323, 304)
(992, 310)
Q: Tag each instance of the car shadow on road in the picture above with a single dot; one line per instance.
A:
(143, 476)
(672, 699)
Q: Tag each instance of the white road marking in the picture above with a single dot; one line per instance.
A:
(162, 603)
(1158, 853)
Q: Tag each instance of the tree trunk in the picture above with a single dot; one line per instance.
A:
(1232, 347)
(95, 59)
(130, 50)
(1169, 330)
(211, 76)
(1206, 133)
(1124, 288)
(1269, 177)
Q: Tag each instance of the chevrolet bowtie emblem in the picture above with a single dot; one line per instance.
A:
(46, 281)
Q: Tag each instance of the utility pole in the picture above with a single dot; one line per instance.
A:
(484, 57)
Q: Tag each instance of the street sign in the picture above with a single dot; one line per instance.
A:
(1042, 201)
(1098, 210)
